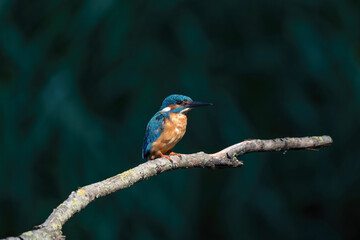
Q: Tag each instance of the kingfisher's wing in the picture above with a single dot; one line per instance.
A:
(153, 132)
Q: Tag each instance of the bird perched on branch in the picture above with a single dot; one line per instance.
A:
(167, 127)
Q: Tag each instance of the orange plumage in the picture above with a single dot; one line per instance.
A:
(174, 130)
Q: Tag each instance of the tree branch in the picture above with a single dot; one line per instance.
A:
(227, 158)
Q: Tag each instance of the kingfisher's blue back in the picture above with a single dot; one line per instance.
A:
(153, 131)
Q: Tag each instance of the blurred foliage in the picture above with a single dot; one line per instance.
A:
(80, 79)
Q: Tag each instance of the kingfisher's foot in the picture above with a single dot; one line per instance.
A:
(176, 154)
(249, 139)
(165, 156)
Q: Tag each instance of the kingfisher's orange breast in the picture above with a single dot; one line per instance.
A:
(174, 130)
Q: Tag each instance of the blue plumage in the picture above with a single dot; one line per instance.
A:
(153, 132)
(174, 99)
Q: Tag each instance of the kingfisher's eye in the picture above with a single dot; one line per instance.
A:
(179, 102)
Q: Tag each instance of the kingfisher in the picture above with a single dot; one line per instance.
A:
(167, 127)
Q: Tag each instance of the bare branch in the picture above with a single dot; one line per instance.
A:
(227, 158)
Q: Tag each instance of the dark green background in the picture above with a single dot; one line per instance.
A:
(79, 81)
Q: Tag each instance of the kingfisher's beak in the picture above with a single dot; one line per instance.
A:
(197, 104)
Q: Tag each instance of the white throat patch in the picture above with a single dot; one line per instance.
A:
(185, 110)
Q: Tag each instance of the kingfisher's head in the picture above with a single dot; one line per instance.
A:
(180, 104)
